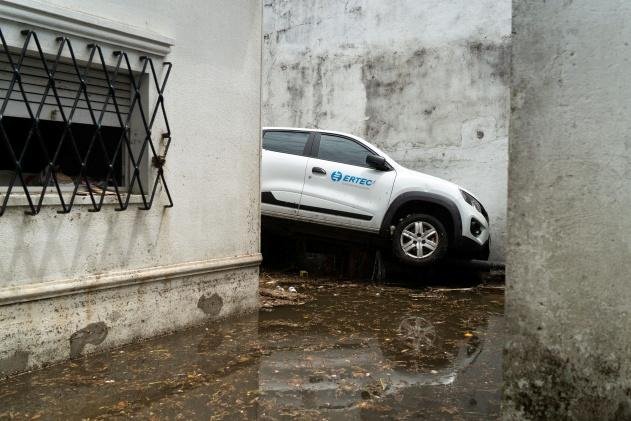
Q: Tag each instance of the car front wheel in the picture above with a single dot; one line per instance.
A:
(420, 240)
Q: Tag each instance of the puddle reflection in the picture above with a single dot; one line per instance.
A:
(355, 352)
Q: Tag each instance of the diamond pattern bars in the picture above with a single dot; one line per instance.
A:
(96, 116)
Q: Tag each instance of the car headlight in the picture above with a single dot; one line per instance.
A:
(472, 201)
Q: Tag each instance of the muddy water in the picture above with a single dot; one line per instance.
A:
(356, 351)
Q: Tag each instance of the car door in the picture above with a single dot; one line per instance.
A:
(283, 165)
(340, 187)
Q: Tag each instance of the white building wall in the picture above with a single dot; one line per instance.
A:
(427, 81)
(147, 272)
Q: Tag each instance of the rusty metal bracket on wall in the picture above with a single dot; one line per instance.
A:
(96, 62)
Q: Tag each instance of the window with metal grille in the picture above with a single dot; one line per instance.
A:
(65, 127)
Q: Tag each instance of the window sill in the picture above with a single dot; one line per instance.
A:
(61, 20)
(18, 200)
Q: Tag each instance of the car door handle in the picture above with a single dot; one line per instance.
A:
(318, 170)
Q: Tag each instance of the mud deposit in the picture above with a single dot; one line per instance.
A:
(352, 351)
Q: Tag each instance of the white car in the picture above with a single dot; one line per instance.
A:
(336, 184)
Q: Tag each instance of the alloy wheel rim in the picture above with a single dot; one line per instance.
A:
(419, 240)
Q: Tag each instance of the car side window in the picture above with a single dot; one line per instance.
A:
(343, 150)
(285, 142)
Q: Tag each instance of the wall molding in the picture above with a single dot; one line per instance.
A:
(93, 28)
(58, 288)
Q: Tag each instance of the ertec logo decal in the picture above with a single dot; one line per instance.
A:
(336, 176)
(346, 178)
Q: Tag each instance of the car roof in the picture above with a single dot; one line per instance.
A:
(304, 129)
(357, 138)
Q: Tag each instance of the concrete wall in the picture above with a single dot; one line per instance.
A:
(568, 294)
(427, 81)
(143, 273)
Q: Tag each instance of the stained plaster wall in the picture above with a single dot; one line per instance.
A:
(427, 81)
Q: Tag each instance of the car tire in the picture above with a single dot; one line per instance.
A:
(420, 240)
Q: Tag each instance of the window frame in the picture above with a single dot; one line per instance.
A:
(150, 105)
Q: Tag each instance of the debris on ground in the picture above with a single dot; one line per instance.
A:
(354, 350)
(270, 298)
(454, 289)
(286, 295)
(499, 287)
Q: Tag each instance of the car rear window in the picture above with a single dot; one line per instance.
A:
(285, 142)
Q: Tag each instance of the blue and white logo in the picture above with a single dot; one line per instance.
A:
(346, 178)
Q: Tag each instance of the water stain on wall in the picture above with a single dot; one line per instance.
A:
(385, 77)
(495, 56)
(210, 305)
(14, 363)
(94, 334)
(412, 94)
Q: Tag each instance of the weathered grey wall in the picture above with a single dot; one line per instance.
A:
(427, 81)
(569, 294)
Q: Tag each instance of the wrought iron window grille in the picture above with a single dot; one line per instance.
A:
(123, 145)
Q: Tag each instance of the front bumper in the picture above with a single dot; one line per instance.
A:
(470, 250)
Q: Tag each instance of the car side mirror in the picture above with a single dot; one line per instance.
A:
(377, 162)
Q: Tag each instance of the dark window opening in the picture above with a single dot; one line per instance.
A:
(285, 142)
(345, 151)
(68, 162)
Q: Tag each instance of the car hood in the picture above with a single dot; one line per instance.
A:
(425, 181)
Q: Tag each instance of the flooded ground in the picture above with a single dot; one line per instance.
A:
(351, 351)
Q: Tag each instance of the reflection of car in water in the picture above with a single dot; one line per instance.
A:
(337, 377)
